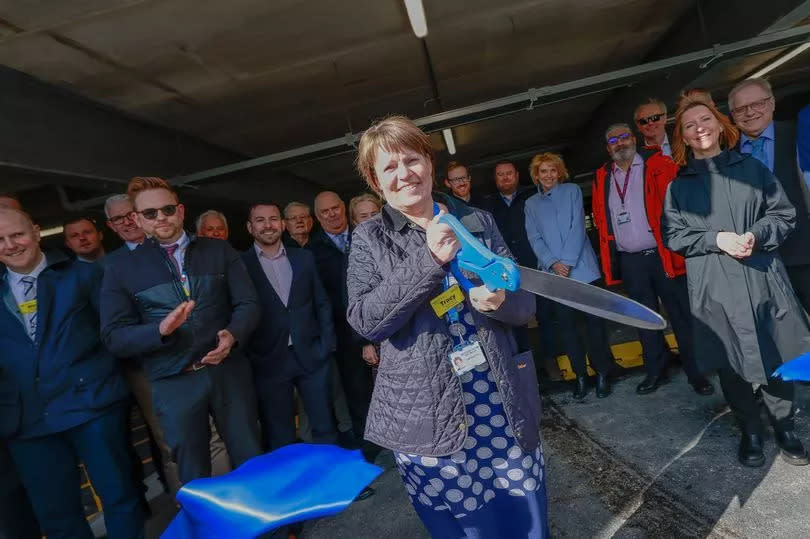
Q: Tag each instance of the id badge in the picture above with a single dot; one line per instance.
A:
(184, 282)
(28, 307)
(467, 358)
(447, 300)
(623, 218)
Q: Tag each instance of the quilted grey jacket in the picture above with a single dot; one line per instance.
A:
(417, 404)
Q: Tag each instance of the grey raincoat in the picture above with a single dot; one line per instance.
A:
(746, 313)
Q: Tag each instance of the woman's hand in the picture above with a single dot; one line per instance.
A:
(370, 355)
(484, 300)
(441, 240)
(736, 245)
(560, 269)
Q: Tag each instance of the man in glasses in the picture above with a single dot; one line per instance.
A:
(774, 144)
(651, 121)
(298, 223)
(628, 198)
(459, 182)
(212, 224)
(184, 306)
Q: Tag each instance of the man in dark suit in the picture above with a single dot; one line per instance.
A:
(63, 397)
(330, 245)
(182, 306)
(295, 337)
(752, 106)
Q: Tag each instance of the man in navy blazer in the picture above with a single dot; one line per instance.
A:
(295, 337)
(62, 397)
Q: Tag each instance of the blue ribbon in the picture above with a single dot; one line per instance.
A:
(295, 483)
(795, 369)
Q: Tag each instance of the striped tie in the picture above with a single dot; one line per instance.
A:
(30, 293)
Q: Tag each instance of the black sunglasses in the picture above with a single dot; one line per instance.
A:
(152, 213)
(617, 138)
(648, 119)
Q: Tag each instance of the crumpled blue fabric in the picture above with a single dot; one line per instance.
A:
(796, 369)
(295, 483)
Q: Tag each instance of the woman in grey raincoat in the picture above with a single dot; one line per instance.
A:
(727, 214)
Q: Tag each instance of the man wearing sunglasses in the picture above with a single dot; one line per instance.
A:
(184, 306)
(752, 106)
(628, 199)
(651, 121)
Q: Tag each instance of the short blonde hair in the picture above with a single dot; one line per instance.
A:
(139, 184)
(763, 84)
(394, 133)
(548, 157)
(364, 197)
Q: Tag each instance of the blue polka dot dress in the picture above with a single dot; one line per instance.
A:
(491, 488)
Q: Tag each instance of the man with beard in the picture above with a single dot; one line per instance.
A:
(83, 238)
(773, 143)
(182, 305)
(459, 182)
(295, 337)
(628, 199)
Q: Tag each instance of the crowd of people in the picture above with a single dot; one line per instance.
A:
(332, 335)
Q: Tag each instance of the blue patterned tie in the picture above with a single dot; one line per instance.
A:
(30, 293)
(341, 242)
(758, 150)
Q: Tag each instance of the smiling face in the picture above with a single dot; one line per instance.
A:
(547, 175)
(506, 178)
(652, 130)
(364, 210)
(266, 225)
(213, 227)
(459, 182)
(19, 241)
(83, 239)
(752, 109)
(167, 229)
(406, 179)
(621, 144)
(701, 131)
(122, 221)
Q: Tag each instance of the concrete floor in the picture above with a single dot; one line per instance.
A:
(629, 466)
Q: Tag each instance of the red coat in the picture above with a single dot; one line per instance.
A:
(659, 170)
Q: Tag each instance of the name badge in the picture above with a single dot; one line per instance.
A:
(623, 218)
(28, 307)
(467, 358)
(447, 300)
(184, 282)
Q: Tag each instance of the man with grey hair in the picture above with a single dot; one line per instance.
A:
(651, 121)
(212, 224)
(298, 221)
(628, 198)
(752, 105)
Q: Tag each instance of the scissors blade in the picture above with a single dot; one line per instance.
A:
(590, 299)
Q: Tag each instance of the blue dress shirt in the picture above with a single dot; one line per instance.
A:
(555, 226)
(747, 143)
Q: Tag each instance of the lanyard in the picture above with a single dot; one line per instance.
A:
(622, 192)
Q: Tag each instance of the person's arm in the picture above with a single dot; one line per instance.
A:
(323, 308)
(678, 236)
(379, 305)
(122, 330)
(534, 233)
(779, 217)
(245, 307)
(574, 237)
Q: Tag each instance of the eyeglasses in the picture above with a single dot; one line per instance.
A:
(460, 179)
(118, 219)
(152, 213)
(756, 106)
(650, 118)
(617, 138)
(297, 218)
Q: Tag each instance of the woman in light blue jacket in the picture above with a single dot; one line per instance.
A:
(555, 225)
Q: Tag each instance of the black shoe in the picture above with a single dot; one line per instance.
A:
(793, 451)
(366, 493)
(702, 386)
(650, 384)
(602, 386)
(580, 387)
(750, 453)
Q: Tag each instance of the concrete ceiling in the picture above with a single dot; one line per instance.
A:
(252, 77)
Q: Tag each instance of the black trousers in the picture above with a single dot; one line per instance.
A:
(645, 281)
(800, 279)
(17, 519)
(778, 397)
(184, 402)
(596, 339)
(356, 377)
(277, 404)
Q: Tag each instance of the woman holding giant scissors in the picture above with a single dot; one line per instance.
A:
(458, 407)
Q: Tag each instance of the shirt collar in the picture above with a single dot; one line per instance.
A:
(282, 252)
(131, 245)
(767, 135)
(637, 161)
(345, 233)
(15, 277)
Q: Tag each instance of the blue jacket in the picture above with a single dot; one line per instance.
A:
(141, 287)
(307, 318)
(65, 377)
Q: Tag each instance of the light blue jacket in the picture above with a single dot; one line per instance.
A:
(555, 225)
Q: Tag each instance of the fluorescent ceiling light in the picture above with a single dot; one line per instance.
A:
(51, 231)
(781, 60)
(449, 142)
(416, 14)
